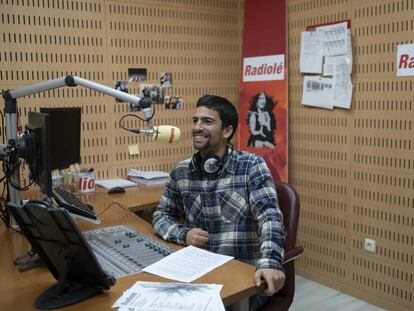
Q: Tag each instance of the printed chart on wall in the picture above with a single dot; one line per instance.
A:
(263, 89)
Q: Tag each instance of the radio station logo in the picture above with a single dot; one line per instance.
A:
(264, 68)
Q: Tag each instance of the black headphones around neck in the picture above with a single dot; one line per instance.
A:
(211, 164)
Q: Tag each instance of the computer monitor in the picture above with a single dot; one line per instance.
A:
(37, 150)
(56, 239)
(47, 147)
(65, 134)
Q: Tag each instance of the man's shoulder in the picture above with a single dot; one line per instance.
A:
(241, 155)
(182, 168)
(240, 160)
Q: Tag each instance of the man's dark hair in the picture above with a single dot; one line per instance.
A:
(227, 112)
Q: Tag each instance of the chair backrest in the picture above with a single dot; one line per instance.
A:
(289, 204)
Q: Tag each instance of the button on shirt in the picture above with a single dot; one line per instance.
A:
(238, 208)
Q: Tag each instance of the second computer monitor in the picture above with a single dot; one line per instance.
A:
(65, 133)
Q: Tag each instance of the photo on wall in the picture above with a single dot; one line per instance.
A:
(121, 86)
(166, 80)
(173, 102)
(152, 91)
(137, 74)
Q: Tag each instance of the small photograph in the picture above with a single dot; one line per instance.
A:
(173, 102)
(152, 91)
(121, 86)
(137, 74)
(134, 107)
(166, 79)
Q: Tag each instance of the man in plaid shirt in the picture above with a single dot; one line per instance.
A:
(226, 197)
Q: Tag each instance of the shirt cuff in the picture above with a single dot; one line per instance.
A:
(182, 236)
(266, 263)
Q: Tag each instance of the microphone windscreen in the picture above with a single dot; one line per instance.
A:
(167, 134)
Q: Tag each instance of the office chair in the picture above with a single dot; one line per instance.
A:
(289, 205)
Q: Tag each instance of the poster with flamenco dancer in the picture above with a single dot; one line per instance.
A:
(263, 89)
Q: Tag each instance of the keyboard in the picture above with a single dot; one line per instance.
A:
(72, 203)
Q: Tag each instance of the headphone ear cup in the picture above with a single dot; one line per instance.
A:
(211, 164)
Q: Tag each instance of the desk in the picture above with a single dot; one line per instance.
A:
(137, 198)
(18, 291)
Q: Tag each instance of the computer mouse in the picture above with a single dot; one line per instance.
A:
(116, 190)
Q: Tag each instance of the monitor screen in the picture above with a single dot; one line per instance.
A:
(65, 133)
(37, 150)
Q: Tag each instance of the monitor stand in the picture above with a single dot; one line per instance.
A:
(65, 292)
(64, 250)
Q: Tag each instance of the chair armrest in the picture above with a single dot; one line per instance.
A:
(293, 254)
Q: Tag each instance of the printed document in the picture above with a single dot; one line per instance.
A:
(334, 39)
(311, 52)
(187, 264)
(150, 296)
(318, 92)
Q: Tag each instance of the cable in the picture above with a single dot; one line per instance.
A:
(115, 203)
(134, 116)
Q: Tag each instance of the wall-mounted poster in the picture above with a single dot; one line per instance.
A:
(263, 89)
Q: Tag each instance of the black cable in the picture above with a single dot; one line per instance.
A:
(115, 203)
(135, 116)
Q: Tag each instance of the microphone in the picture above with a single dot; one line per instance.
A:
(164, 134)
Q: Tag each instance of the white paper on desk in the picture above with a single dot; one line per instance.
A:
(334, 39)
(111, 183)
(318, 92)
(311, 52)
(149, 296)
(187, 264)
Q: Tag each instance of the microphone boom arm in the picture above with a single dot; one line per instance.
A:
(10, 109)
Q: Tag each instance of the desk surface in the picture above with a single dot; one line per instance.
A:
(136, 198)
(18, 291)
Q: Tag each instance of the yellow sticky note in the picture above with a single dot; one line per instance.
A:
(133, 149)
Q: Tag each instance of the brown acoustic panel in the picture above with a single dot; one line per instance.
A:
(201, 50)
(354, 169)
(99, 40)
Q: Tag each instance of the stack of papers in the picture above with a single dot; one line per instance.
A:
(149, 296)
(148, 178)
(185, 265)
(112, 183)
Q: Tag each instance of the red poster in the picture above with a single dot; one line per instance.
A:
(263, 89)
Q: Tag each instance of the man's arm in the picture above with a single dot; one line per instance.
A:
(165, 219)
(265, 208)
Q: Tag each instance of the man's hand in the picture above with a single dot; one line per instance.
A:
(274, 279)
(197, 237)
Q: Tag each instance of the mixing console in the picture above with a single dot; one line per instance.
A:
(123, 251)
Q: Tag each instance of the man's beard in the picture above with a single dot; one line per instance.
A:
(201, 145)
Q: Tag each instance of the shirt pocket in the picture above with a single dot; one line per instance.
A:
(193, 209)
(234, 207)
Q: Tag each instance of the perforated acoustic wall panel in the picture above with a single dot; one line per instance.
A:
(354, 169)
(198, 41)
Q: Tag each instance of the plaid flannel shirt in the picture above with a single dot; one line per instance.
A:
(238, 207)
